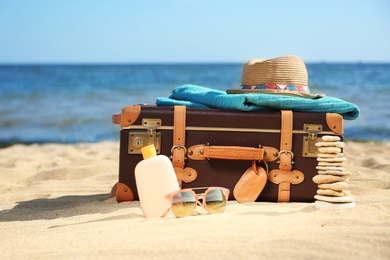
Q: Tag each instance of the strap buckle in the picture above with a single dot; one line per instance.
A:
(287, 152)
(178, 146)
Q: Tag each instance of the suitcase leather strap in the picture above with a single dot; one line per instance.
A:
(178, 151)
(283, 176)
(203, 152)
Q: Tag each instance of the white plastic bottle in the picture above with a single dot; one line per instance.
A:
(155, 178)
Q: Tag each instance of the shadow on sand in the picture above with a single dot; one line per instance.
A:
(62, 207)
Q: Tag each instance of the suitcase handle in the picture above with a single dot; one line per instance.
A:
(203, 152)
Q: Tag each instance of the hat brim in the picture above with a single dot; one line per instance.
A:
(274, 92)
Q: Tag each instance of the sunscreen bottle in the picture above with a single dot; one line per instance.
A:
(155, 178)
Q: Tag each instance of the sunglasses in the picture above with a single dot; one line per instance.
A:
(183, 202)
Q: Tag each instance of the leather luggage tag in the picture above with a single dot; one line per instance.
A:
(251, 184)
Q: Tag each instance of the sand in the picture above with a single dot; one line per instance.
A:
(55, 204)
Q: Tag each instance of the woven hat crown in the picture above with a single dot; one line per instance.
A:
(286, 70)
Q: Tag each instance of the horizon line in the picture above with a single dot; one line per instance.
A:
(32, 63)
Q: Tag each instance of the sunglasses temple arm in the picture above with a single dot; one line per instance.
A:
(166, 212)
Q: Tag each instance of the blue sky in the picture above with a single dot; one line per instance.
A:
(119, 31)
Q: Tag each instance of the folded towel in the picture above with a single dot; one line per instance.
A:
(202, 97)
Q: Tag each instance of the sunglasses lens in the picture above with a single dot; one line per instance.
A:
(215, 201)
(183, 204)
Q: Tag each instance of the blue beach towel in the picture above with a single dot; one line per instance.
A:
(202, 97)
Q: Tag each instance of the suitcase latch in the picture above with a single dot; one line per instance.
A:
(309, 149)
(138, 139)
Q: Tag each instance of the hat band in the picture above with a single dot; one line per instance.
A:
(294, 88)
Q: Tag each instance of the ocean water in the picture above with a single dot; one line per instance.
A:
(74, 103)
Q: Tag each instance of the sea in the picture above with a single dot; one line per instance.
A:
(70, 103)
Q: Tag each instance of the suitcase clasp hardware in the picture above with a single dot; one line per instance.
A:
(138, 139)
(308, 148)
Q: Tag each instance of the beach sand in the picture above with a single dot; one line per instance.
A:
(55, 204)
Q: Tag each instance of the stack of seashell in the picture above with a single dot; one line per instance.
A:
(333, 190)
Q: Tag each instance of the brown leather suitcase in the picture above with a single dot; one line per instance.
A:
(210, 147)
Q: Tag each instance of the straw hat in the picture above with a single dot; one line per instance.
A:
(286, 75)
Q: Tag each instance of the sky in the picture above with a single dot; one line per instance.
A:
(164, 31)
